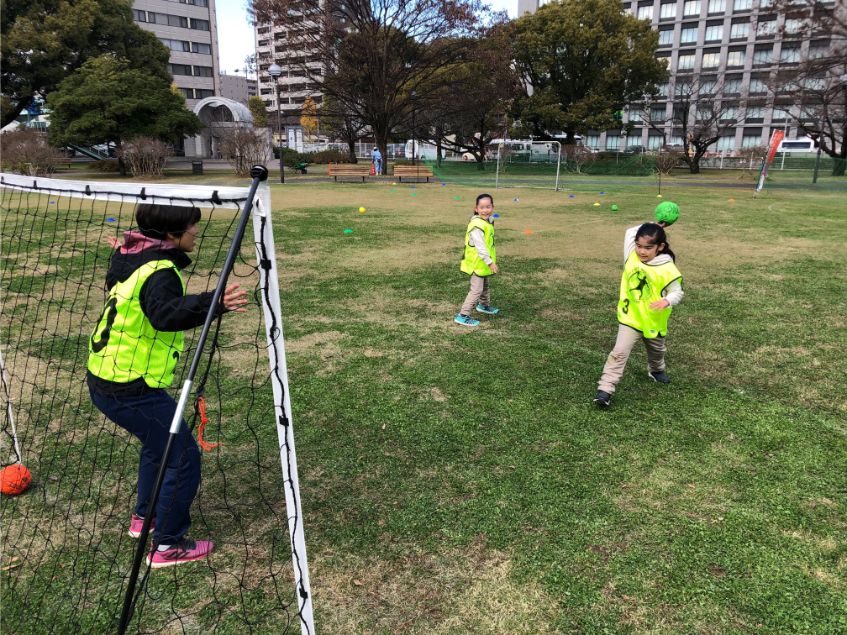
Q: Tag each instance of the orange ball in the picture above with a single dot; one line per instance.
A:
(15, 479)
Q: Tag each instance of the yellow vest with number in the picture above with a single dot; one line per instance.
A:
(641, 285)
(124, 346)
(471, 262)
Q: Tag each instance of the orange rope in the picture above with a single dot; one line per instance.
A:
(201, 408)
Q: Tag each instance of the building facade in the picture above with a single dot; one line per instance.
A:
(237, 87)
(740, 49)
(189, 29)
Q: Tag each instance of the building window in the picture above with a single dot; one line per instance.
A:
(688, 35)
(665, 59)
(735, 59)
(779, 114)
(711, 60)
(199, 25)
(751, 139)
(592, 141)
(200, 47)
(663, 89)
(714, 32)
(731, 86)
(202, 71)
(685, 62)
(766, 28)
(755, 114)
(739, 31)
(742, 5)
(186, 92)
(729, 113)
(139, 16)
(181, 46)
(657, 114)
(645, 12)
(758, 86)
(707, 87)
(762, 55)
(789, 55)
(177, 20)
(613, 142)
(667, 10)
(180, 69)
(725, 144)
(665, 37)
(654, 142)
(691, 7)
(202, 93)
(717, 6)
(818, 50)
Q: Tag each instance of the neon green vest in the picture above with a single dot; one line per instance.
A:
(471, 262)
(642, 284)
(124, 346)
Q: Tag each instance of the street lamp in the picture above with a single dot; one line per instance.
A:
(412, 95)
(275, 70)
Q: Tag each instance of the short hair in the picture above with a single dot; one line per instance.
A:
(157, 221)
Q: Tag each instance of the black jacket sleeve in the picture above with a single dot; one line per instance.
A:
(167, 308)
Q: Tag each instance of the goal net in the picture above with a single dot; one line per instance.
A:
(66, 553)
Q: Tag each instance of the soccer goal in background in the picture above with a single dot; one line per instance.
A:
(66, 557)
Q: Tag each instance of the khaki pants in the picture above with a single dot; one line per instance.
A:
(479, 293)
(616, 362)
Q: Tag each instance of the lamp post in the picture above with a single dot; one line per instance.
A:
(275, 70)
(414, 140)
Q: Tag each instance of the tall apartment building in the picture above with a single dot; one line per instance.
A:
(739, 45)
(189, 29)
(288, 48)
(237, 87)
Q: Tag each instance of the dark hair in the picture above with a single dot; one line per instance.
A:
(157, 221)
(658, 235)
(482, 196)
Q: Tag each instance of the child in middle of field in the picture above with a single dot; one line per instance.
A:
(479, 262)
(650, 285)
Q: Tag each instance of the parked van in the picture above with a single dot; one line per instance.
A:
(806, 144)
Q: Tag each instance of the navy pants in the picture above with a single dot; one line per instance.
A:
(148, 418)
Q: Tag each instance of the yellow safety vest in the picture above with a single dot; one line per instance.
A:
(471, 262)
(124, 346)
(641, 285)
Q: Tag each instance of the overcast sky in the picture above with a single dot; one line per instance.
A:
(235, 35)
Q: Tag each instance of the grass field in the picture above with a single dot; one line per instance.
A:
(461, 481)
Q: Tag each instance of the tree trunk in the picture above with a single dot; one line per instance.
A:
(839, 166)
(351, 150)
(694, 165)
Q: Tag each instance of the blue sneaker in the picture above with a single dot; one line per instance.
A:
(660, 376)
(490, 310)
(465, 320)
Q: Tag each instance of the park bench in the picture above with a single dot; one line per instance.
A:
(336, 170)
(412, 171)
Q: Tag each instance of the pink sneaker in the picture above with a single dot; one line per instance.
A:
(135, 525)
(186, 550)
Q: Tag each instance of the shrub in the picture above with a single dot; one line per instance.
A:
(244, 147)
(667, 160)
(26, 151)
(144, 156)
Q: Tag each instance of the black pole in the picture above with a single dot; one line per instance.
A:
(259, 174)
(817, 166)
(279, 134)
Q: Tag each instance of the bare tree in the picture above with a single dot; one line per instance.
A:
(244, 147)
(369, 55)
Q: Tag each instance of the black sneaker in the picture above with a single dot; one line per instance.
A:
(602, 399)
(660, 376)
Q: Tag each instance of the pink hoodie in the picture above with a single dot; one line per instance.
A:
(135, 242)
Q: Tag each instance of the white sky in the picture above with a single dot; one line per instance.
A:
(235, 35)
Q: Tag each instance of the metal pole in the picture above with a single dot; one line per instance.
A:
(259, 174)
(559, 163)
(413, 136)
(279, 134)
(817, 166)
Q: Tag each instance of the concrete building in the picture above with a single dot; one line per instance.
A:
(237, 87)
(735, 46)
(288, 48)
(189, 29)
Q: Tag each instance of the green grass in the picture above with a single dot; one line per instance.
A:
(461, 481)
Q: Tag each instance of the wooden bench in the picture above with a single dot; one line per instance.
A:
(412, 171)
(336, 170)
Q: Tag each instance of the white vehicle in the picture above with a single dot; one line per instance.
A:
(423, 150)
(806, 144)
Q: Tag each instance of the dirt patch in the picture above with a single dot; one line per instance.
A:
(463, 591)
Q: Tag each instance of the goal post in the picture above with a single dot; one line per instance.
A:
(56, 239)
(527, 163)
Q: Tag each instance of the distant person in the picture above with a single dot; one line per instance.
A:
(650, 285)
(376, 159)
(479, 262)
(133, 355)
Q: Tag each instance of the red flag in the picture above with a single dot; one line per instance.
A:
(776, 138)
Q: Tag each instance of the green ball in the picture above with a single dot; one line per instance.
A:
(667, 212)
(614, 207)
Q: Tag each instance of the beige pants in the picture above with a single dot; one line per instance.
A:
(479, 293)
(616, 362)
